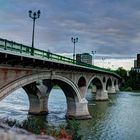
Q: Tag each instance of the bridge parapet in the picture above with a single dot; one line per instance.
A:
(17, 48)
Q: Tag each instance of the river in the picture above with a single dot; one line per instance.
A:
(116, 119)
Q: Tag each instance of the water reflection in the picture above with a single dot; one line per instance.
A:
(15, 105)
(116, 119)
(57, 107)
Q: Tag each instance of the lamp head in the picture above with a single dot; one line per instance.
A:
(93, 52)
(72, 39)
(34, 14)
(38, 12)
(30, 12)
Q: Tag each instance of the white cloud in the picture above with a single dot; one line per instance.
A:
(110, 27)
(115, 63)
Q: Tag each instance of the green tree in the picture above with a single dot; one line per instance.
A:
(130, 80)
(122, 72)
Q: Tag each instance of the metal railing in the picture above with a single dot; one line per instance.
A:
(26, 50)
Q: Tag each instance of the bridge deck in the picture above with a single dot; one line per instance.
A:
(13, 53)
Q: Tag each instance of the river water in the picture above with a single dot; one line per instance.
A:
(116, 119)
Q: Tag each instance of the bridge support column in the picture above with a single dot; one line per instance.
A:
(81, 107)
(93, 90)
(111, 89)
(101, 95)
(82, 91)
(37, 99)
(117, 88)
(78, 110)
(45, 91)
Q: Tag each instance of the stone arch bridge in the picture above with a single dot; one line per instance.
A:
(38, 74)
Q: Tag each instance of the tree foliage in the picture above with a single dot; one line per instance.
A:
(130, 79)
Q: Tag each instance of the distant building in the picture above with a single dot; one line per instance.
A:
(137, 64)
(84, 57)
(137, 69)
(138, 60)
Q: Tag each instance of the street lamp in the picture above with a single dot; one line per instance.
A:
(33, 16)
(93, 52)
(103, 61)
(74, 40)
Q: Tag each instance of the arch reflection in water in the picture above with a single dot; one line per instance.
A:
(57, 106)
(16, 106)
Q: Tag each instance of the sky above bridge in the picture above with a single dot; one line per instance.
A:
(109, 27)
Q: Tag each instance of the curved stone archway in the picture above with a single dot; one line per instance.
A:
(21, 82)
(81, 82)
(38, 96)
(82, 86)
(101, 93)
(108, 83)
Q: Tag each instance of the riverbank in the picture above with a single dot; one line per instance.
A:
(133, 91)
(36, 129)
(14, 133)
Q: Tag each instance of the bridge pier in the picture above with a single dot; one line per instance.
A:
(111, 89)
(81, 106)
(117, 88)
(93, 89)
(78, 110)
(82, 91)
(77, 106)
(99, 87)
(37, 99)
(101, 95)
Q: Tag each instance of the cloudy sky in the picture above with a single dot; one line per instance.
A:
(109, 27)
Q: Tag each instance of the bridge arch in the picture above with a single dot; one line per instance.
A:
(21, 82)
(115, 82)
(82, 82)
(108, 83)
(101, 93)
(39, 102)
(97, 80)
